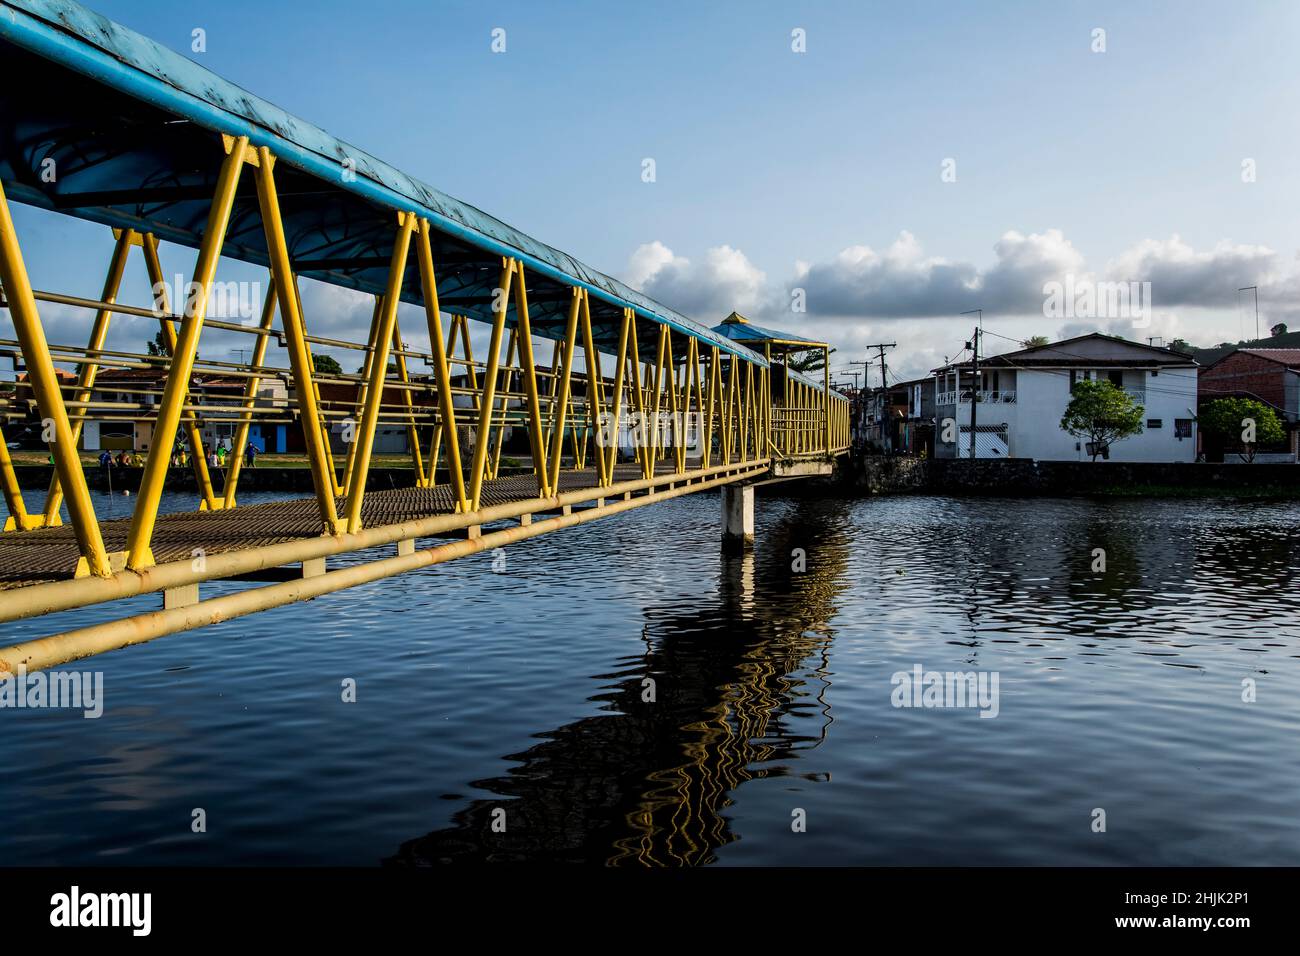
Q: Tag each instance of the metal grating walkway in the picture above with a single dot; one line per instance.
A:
(50, 554)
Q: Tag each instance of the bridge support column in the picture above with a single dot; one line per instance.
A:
(737, 517)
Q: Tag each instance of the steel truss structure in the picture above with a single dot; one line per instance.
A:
(633, 405)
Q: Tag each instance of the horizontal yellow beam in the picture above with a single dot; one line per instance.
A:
(99, 638)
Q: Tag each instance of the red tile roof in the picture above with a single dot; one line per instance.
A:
(1288, 357)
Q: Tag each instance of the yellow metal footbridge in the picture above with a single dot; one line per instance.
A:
(610, 400)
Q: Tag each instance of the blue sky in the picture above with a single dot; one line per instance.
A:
(821, 170)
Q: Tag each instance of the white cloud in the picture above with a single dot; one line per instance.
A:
(1180, 275)
(903, 282)
(708, 290)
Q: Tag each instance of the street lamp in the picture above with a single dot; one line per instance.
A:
(1254, 289)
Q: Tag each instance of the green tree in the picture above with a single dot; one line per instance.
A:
(324, 365)
(1035, 341)
(157, 345)
(1241, 425)
(810, 361)
(1181, 345)
(1101, 412)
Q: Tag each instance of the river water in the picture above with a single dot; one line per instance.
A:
(621, 693)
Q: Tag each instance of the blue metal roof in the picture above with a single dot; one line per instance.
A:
(134, 125)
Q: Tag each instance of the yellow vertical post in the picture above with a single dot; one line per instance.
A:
(139, 554)
(826, 405)
(250, 397)
(561, 406)
(537, 441)
(479, 462)
(295, 336)
(45, 386)
(365, 437)
(441, 370)
(90, 368)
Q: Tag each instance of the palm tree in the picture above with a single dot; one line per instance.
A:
(1035, 342)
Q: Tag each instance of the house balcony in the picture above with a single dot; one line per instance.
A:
(1005, 396)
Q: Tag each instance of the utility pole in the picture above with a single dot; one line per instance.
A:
(975, 376)
(975, 387)
(884, 380)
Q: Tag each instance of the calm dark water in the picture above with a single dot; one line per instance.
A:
(522, 690)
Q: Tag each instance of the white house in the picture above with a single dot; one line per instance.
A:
(1022, 396)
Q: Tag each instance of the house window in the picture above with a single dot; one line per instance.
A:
(1117, 379)
(1182, 428)
(1155, 423)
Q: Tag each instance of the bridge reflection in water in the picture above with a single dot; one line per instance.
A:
(650, 782)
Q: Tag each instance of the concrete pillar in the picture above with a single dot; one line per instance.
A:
(737, 517)
(182, 596)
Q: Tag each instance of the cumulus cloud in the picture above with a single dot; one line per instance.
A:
(904, 282)
(724, 280)
(1182, 276)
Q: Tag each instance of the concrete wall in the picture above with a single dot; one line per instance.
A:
(1021, 477)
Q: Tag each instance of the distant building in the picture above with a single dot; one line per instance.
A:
(899, 420)
(1022, 396)
(128, 399)
(1271, 376)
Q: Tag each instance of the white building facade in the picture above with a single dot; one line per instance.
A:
(1022, 396)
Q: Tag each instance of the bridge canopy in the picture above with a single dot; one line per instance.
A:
(737, 328)
(134, 129)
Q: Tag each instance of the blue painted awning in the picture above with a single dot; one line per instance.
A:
(135, 130)
(737, 328)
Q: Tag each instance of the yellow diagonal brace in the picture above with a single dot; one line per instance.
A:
(45, 385)
(291, 320)
(90, 368)
(19, 519)
(613, 430)
(641, 440)
(328, 455)
(537, 442)
(595, 389)
(507, 376)
(365, 436)
(488, 396)
(250, 397)
(412, 432)
(145, 515)
(351, 457)
(562, 399)
(441, 370)
(153, 266)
